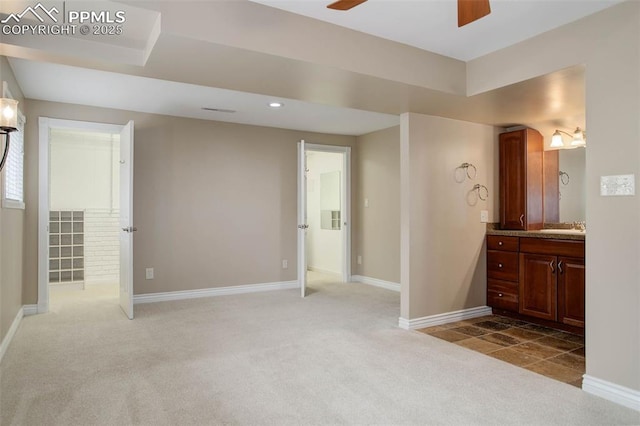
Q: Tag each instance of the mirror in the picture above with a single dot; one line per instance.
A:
(572, 184)
(330, 200)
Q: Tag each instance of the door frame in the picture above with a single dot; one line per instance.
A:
(345, 189)
(45, 124)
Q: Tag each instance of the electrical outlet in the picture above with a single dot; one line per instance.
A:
(484, 216)
(366, 202)
(359, 260)
(149, 273)
(285, 264)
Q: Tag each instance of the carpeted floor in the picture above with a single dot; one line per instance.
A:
(335, 357)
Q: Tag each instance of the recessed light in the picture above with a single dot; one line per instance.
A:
(276, 104)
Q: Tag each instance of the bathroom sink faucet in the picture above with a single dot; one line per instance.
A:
(580, 225)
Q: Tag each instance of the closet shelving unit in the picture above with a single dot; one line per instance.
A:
(66, 247)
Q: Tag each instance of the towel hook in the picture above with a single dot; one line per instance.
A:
(564, 177)
(466, 168)
(481, 189)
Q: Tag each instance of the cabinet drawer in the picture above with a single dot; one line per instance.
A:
(553, 247)
(499, 242)
(502, 295)
(502, 265)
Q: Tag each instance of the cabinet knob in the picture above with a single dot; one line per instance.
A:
(499, 243)
(499, 294)
(499, 265)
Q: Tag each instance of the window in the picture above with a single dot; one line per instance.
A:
(13, 188)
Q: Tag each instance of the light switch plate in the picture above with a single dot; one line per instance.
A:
(366, 202)
(149, 273)
(484, 216)
(619, 185)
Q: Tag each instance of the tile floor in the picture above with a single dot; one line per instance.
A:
(549, 352)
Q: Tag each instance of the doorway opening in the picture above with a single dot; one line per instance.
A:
(85, 205)
(324, 245)
(84, 211)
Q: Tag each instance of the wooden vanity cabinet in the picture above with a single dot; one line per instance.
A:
(521, 180)
(537, 278)
(502, 272)
(571, 291)
(552, 280)
(538, 292)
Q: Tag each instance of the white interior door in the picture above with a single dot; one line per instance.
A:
(302, 217)
(126, 219)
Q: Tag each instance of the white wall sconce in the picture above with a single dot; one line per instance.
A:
(578, 139)
(8, 123)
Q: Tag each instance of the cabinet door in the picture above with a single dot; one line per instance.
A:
(571, 291)
(538, 292)
(512, 180)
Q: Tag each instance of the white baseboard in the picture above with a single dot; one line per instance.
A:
(30, 310)
(612, 392)
(12, 332)
(209, 292)
(447, 317)
(376, 282)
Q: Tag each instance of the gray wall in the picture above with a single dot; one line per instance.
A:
(608, 44)
(377, 236)
(214, 203)
(11, 233)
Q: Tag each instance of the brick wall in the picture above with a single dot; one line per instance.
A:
(101, 246)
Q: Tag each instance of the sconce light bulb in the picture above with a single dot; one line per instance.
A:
(556, 140)
(7, 112)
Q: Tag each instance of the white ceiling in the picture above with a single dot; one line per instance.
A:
(184, 74)
(433, 24)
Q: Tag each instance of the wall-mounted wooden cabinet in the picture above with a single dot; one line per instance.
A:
(521, 180)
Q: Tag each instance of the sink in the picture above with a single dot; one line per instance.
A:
(562, 231)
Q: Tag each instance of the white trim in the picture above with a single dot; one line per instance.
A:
(376, 282)
(44, 124)
(12, 331)
(619, 394)
(216, 291)
(12, 204)
(30, 310)
(447, 317)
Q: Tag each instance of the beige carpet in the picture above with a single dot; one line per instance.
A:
(336, 357)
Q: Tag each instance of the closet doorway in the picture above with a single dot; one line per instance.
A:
(324, 214)
(85, 185)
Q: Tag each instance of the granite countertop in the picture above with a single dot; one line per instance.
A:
(492, 229)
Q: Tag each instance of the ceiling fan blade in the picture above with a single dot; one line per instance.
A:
(345, 4)
(471, 10)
